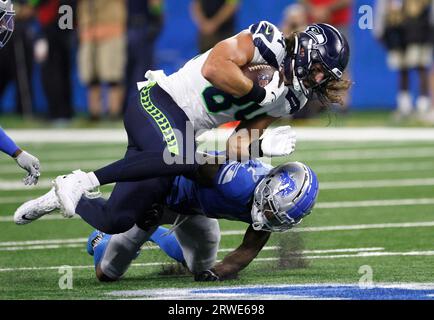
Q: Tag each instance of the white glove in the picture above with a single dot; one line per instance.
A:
(272, 90)
(278, 142)
(155, 75)
(31, 165)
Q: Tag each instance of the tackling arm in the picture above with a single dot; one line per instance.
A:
(238, 259)
(238, 144)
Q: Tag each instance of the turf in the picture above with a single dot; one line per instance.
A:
(336, 162)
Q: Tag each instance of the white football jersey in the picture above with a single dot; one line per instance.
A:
(208, 107)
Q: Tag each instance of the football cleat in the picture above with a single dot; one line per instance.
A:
(70, 188)
(36, 208)
(97, 244)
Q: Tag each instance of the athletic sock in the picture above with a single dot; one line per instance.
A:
(168, 243)
(121, 250)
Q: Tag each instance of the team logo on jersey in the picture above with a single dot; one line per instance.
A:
(287, 184)
(317, 34)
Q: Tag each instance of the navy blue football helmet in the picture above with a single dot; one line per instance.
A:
(319, 43)
(7, 14)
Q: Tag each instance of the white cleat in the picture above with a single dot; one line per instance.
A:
(36, 208)
(69, 190)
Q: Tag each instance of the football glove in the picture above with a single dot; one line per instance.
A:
(206, 276)
(280, 141)
(155, 75)
(273, 90)
(31, 164)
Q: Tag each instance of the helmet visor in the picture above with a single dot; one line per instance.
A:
(6, 27)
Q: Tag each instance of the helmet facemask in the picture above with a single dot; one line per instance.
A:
(314, 48)
(285, 196)
(6, 27)
(266, 214)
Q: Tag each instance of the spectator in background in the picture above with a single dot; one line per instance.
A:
(430, 114)
(102, 52)
(16, 59)
(53, 52)
(215, 20)
(337, 13)
(403, 26)
(295, 19)
(145, 21)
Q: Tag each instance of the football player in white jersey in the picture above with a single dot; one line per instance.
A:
(210, 90)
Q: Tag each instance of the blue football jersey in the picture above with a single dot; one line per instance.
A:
(230, 196)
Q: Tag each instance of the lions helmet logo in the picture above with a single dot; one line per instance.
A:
(287, 185)
(317, 34)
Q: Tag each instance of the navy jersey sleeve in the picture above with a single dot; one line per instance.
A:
(270, 47)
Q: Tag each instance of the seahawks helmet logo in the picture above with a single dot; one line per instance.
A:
(317, 34)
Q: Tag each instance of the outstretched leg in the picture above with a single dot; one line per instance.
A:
(161, 143)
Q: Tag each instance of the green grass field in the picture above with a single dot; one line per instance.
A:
(375, 208)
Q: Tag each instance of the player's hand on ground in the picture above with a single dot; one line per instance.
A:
(278, 141)
(31, 164)
(273, 90)
(206, 276)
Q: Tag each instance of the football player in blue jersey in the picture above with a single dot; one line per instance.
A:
(210, 90)
(268, 199)
(7, 145)
(24, 159)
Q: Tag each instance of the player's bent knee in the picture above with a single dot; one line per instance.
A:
(101, 276)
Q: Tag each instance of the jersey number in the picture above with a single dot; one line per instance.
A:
(217, 101)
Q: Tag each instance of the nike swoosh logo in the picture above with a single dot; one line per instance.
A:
(267, 31)
(24, 217)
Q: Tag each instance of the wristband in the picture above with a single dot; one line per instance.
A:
(257, 94)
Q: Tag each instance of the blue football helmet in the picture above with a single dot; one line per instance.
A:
(284, 197)
(7, 14)
(319, 43)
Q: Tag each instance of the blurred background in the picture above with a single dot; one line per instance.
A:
(79, 76)
(373, 155)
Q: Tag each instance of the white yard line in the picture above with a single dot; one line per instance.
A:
(67, 166)
(149, 264)
(385, 167)
(43, 247)
(11, 185)
(343, 134)
(402, 153)
(369, 184)
(79, 242)
(17, 184)
(319, 205)
(303, 134)
(363, 255)
(374, 203)
(347, 227)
